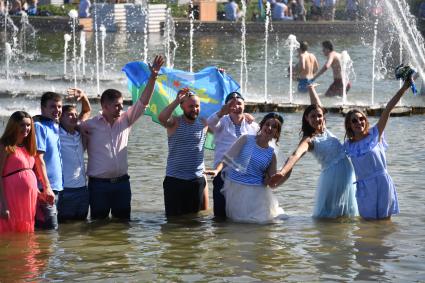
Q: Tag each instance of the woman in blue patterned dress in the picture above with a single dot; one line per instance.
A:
(376, 193)
(335, 194)
(250, 162)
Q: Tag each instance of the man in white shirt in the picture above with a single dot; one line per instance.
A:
(228, 125)
(74, 199)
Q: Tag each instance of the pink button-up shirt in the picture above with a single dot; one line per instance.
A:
(107, 145)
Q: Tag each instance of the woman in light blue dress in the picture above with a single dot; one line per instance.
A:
(335, 194)
(376, 194)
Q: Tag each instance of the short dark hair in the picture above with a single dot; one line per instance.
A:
(50, 96)
(304, 46)
(328, 45)
(68, 107)
(110, 95)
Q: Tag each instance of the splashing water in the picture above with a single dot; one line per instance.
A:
(406, 26)
(145, 13)
(244, 68)
(67, 38)
(102, 30)
(73, 14)
(375, 35)
(96, 42)
(292, 44)
(83, 51)
(8, 56)
(347, 73)
(170, 40)
(266, 39)
(191, 18)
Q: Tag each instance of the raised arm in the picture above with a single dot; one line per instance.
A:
(390, 106)
(314, 97)
(213, 121)
(279, 177)
(165, 117)
(79, 95)
(4, 209)
(155, 67)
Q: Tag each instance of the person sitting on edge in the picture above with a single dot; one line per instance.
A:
(74, 198)
(280, 11)
(334, 62)
(231, 10)
(306, 67)
(228, 125)
(107, 138)
(184, 182)
(48, 147)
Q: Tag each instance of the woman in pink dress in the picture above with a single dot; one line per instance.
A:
(18, 184)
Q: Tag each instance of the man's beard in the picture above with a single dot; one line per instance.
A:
(189, 116)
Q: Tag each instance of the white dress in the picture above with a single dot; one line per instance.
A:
(247, 198)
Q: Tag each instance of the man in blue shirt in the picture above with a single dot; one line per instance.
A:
(48, 147)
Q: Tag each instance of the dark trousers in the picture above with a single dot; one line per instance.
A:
(218, 197)
(107, 197)
(46, 215)
(73, 204)
(183, 196)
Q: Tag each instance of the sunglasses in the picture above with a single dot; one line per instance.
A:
(358, 120)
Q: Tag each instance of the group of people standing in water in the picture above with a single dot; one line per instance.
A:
(43, 177)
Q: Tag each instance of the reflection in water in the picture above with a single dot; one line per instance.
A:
(24, 256)
(334, 250)
(372, 249)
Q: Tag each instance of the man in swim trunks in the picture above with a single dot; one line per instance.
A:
(334, 62)
(306, 67)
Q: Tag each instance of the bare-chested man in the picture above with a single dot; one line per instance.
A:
(334, 62)
(306, 67)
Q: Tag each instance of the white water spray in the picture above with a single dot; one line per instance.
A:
(96, 42)
(292, 44)
(102, 30)
(145, 12)
(244, 68)
(73, 14)
(8, 55)
(266, 39)
(191, 19)
(347, 71)
(375, 37)
(67, 38)
(83, 51)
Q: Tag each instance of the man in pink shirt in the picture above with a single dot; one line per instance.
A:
(107, 135)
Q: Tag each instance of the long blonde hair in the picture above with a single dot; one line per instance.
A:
(9, 139)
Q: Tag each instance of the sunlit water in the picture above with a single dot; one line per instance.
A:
(45, 57)
(196, 248)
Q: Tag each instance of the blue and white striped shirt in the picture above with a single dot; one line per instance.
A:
(259, 160)
(186, 150)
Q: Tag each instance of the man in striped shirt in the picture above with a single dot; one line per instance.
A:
(184, 182)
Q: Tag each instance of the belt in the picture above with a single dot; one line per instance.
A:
(16, 171)
(376, 174)
(111, 180)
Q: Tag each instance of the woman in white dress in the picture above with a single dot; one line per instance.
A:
(250, 162)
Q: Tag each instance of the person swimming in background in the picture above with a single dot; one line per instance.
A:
(376, 193)
(334, 62)
(306, 67)
(335, 194)
(250, 162)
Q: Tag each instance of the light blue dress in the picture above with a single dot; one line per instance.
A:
(335, 194)
(376, 193)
